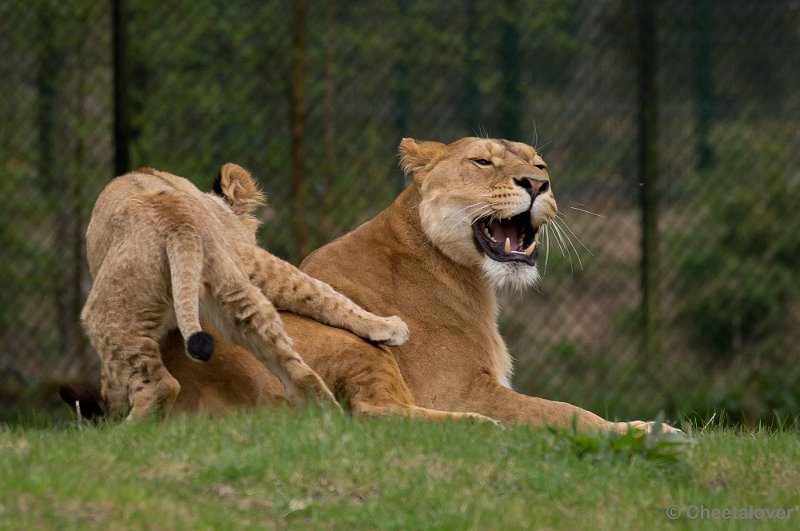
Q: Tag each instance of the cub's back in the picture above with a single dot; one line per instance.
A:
(138, 207)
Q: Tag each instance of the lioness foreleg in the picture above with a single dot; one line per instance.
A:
(490, 398)
(412, 411)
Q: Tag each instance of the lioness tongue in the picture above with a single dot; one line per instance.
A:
(502, 229)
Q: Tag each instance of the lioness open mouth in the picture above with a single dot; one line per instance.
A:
(507, 240)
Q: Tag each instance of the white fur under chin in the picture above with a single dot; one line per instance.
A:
(511, 276)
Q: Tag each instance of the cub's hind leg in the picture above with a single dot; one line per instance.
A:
(124, 332)
(151, 389)
(292, 290)
(240, 311)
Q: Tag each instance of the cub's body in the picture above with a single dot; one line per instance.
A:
(163, 254)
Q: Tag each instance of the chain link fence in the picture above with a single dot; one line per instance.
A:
(670, 127)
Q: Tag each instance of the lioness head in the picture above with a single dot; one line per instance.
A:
(483, 202)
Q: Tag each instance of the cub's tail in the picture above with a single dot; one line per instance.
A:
(185, 255)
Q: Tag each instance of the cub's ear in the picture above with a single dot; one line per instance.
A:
(416, 155)
(238, 188)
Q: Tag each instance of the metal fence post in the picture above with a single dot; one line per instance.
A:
(648, 174)
(511, 109)
(121, 78)
(703, 85)
(401, 68)
(297, 123)
(472, 114)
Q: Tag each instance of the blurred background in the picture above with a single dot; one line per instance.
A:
(671, 129)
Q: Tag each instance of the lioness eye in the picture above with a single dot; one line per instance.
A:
(482, 162)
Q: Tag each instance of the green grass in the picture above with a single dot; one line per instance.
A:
(317, 469)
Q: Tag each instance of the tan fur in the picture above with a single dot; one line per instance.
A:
(162, 253)
(418, 259)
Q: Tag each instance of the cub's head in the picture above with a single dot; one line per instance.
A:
(239, 190)
(483, 202)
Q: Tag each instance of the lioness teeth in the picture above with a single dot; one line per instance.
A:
(529, 250)
(488, 234)
(508, 245)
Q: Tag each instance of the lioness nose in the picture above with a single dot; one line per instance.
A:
(533, 186)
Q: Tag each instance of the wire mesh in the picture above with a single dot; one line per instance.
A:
(314, 98)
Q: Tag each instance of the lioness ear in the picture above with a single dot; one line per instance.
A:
(238, 188)
(415, 155)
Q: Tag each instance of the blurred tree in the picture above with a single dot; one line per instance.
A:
(742, 267)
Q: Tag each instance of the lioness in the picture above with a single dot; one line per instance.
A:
(161, 253)
(467, 225)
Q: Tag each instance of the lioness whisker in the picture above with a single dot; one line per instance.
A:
(547, 248)
(587, 212)
(478, 214)
(480, 205)
(535, 138)
(540, 149)
(564, 220)
(561, 240)
(566, 236)
(481, 132)
(558, 241)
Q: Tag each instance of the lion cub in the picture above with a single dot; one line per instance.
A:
(163, 254)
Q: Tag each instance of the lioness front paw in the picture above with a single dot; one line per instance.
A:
(394, 332)
(647, 427)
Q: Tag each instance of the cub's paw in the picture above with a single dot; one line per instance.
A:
(321, 394)
(647, 427)
(306, 384)
(393, 331)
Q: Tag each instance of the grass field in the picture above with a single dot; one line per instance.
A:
(318, 469)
